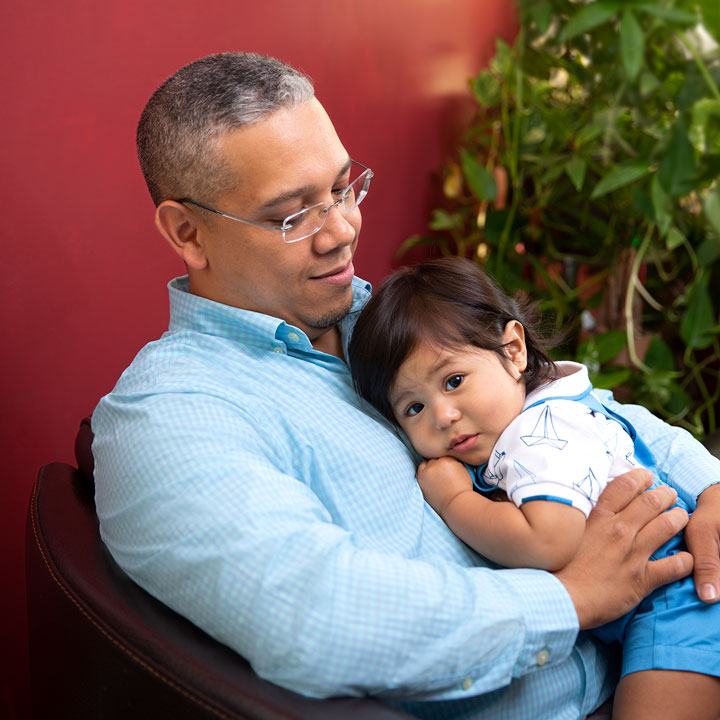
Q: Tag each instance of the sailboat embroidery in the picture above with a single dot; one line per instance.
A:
(544, 433)
(525, 477)
(588, 486)
(494, 476)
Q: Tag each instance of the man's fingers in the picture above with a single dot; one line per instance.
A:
(702, 541)
(619, 493)
(669, 569)
(658, 529)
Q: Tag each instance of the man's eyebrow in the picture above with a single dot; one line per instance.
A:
(299, 192)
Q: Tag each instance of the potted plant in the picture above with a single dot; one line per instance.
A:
(589, 179)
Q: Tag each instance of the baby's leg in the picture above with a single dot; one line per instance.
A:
(667, 694)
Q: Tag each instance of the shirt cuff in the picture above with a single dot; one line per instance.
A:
(551, 622)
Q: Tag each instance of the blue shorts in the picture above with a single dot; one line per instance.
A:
(672, 629)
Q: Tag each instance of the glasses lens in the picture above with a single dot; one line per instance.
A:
(308, 221)
(304, 223)
(357, 190)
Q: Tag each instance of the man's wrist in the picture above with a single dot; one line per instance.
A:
(710, 493)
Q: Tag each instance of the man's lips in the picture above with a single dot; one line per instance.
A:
(338, 276)
(463, 442)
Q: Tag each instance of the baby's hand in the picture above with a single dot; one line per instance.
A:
(441, 480)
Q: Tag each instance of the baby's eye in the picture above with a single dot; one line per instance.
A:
(414, 409)
(453, 382)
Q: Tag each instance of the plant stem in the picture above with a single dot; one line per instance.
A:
(690, 47)
(632, 283)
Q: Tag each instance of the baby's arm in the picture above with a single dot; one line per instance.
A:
(541, 534)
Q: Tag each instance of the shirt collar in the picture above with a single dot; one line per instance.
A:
(199, 314)
(572, 380)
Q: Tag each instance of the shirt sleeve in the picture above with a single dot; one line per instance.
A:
(207, 522)
(557, 451)
(682, 462)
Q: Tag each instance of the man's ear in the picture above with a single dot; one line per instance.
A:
(179, 226)
(514, 344)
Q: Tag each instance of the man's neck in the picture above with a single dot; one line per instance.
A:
(330, 342)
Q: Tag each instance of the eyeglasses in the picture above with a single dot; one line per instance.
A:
(309, 220)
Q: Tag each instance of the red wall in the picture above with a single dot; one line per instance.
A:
(84, 272)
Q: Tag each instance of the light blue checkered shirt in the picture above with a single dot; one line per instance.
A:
(241, 481)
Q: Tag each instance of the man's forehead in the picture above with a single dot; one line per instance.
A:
(291, 149)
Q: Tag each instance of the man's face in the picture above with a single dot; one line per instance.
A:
(291, 160)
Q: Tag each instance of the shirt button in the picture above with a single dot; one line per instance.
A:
(542, 657)
(467, 683)
(293, 337)
(278, 349)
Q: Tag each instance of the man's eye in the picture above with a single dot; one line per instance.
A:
(339, 191)
(453, 382)
(414, 409)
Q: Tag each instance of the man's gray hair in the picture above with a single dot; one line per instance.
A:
(177, 136)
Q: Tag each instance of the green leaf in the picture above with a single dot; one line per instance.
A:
(659, 355)
(443, 220)
(709, 251)
(589, 132)
(503, 61)
(704, 133)
(632, 45)
(610, 344)
(575, 169)
(541, 13)
(711, 207)
(417, 241)
(678, 165)
(619, 177)
(495, 224)
(661, 205)
(601, 348)
(674, 15)
(648, 84)
(480, 179)
(674, 239)
(486, 89)
(589, 17)
(609, 380)
(710, 11)
(696, 327)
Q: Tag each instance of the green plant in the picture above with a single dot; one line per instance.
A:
(589, 179)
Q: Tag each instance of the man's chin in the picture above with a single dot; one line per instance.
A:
(331, 318)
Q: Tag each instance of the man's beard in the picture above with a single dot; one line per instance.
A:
(331, 318)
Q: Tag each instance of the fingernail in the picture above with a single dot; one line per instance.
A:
(708, 592)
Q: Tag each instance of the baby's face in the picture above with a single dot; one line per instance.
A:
(457, 402)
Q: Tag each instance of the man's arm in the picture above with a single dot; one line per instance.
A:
(206, 522)
(251, 555)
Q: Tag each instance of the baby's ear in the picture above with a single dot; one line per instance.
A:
(514, 344)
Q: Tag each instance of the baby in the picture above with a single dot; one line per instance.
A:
(462, 369)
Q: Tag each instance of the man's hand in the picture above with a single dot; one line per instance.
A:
(702, 537)
(441, 480)
(611, 573)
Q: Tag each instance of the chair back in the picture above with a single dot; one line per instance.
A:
(103, 648)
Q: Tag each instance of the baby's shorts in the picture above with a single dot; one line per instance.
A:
(671, 629)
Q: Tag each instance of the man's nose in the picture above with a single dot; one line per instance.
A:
(337, 231)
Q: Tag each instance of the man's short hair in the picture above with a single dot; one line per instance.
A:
(177, 136)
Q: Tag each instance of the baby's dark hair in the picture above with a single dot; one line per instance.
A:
(450, 303)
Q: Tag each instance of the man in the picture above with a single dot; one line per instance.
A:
(241, 481)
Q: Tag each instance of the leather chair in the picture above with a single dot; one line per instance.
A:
(102, 648)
